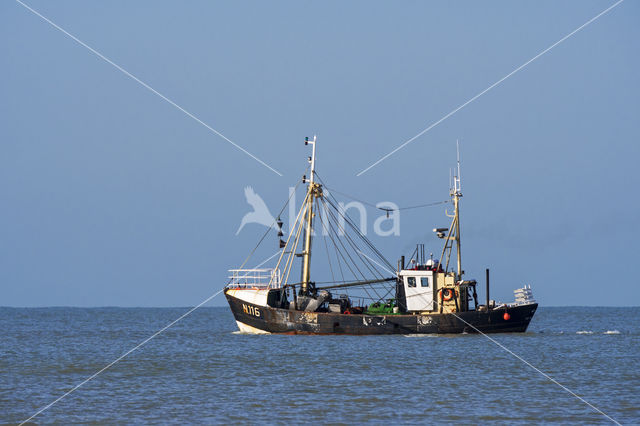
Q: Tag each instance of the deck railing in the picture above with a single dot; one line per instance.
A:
(255, 278)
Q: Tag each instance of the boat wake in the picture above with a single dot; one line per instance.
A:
(589, 332)
(420, 335)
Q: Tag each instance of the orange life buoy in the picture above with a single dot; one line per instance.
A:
(347, 312)
(446, 294)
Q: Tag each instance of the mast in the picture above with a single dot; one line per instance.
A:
(457, 194)
(453, 232)
(312, 192)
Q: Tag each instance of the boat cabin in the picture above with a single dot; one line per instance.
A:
(426, 288)
(418, 290)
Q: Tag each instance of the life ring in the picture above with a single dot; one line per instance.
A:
(347, 312)
(446, 294)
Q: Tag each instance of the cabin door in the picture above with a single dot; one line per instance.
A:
(419, 292)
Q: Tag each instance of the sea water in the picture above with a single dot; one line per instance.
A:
(202, 371)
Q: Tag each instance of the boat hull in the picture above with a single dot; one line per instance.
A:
(252, 318)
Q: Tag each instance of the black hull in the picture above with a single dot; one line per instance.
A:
(283, 321)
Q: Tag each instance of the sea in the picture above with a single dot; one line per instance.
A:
(203, 371)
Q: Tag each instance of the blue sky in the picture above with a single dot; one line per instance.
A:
(113, 197)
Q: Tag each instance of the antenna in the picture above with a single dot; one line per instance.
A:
(458, 180)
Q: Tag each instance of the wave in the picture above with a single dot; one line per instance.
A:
(584, 332)
(611, 332)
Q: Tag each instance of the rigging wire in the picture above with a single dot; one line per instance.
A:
(334, 203)
(364, 261)
(294, 247)
(362, 237)
(437, 203)
(332, 232)
(332, 229)
(330, 200)
(324, 239)
(335, 248)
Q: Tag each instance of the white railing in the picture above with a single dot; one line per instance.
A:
(524, 295)
(255, 278)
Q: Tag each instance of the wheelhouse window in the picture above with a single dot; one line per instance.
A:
(411, 281)
(424, 282)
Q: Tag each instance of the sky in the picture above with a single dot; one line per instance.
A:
(111, 196)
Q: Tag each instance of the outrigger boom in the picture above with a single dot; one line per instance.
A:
(354, 284)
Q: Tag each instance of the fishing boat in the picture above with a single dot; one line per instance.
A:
(365, 295)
